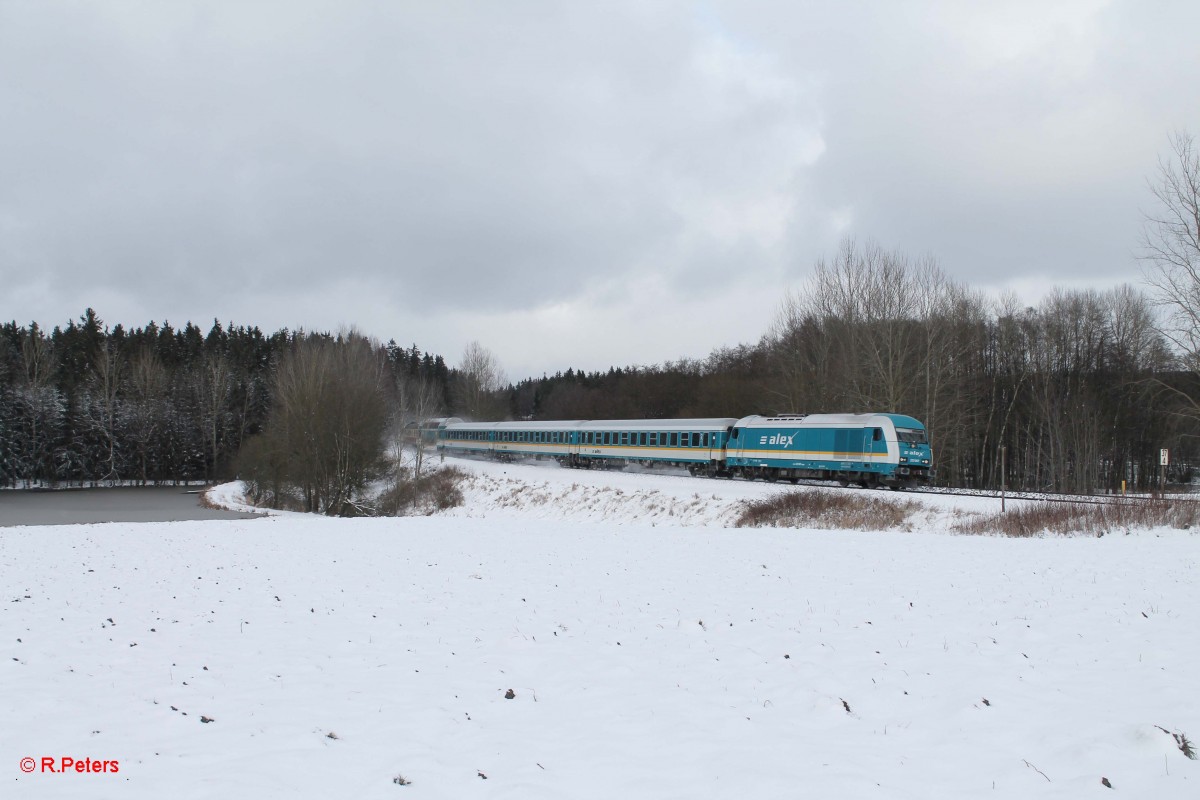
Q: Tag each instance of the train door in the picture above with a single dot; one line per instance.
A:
(736, 444)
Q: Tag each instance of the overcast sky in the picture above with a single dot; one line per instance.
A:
(572, 184)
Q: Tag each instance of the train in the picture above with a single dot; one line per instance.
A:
(869, 450)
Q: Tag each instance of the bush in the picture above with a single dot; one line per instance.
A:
(823, 508)
(432, 492)
(1035, 519)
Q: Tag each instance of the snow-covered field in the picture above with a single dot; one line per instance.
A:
(651, 652)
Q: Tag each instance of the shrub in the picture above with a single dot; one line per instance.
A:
(432, 492)
(1035, 519)
(823, 508)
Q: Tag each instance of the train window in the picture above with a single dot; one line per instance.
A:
(642, 439)
(704, 440)
(624, 438)
(877, 435)
(695, 440)
(911, 435)
(674, 440)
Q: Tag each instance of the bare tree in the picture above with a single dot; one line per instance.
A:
(104, 408)
(1171, 253)
(214, 381)
(480, 379)
(147, 381)
(417, 400)
(325, 436)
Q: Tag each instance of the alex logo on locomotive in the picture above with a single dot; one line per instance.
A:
(779, 438)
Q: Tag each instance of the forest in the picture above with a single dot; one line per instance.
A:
(1081, 391)
(88, 405)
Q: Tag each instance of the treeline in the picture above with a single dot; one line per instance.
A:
(1075, 394)
(85, 404)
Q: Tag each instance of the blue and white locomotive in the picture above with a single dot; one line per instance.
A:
(867, 449)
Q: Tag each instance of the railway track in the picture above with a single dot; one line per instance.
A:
(1042, 497)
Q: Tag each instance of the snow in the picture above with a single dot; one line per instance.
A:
(652, 652)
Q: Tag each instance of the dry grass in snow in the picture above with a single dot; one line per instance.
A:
(1035, 519)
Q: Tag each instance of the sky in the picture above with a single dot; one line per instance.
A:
(570, 184)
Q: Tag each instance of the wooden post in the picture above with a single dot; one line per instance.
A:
(1003, 475)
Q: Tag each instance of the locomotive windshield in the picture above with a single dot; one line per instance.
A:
(912, 436)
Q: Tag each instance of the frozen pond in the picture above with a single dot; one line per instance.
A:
(126, 504)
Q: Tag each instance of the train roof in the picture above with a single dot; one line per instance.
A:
(705, 423)
(829, 420)
(714, 423)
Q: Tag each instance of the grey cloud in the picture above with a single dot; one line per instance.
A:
(500, 158)
(522, 154)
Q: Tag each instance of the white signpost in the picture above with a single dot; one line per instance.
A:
(1164, 457)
